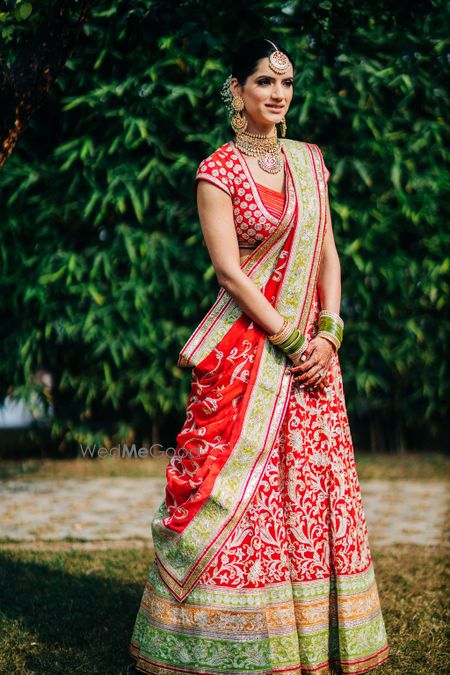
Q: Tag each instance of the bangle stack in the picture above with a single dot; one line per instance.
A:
(331, 327)
(290, 340)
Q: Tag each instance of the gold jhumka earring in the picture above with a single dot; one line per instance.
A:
(238, 119)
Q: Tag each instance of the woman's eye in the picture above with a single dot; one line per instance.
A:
(289, 83)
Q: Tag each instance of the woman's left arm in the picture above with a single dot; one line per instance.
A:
(329, 278)
(320, 351)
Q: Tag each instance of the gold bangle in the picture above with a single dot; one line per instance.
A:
(282, 334)
(330, 337)
(274, 336)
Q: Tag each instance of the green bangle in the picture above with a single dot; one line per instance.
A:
(331, 326)
(296, 345)
(328, 321)
(289, 340)
(332, 315)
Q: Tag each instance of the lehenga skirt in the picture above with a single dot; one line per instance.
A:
(294, 588)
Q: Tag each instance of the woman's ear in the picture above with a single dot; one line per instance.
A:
(234, 86)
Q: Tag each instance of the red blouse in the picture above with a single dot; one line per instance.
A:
(257, 209)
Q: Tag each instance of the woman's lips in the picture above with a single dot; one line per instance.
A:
(275, 108)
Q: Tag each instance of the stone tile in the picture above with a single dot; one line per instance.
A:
(117, 509)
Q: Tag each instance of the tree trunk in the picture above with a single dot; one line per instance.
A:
(25, 85)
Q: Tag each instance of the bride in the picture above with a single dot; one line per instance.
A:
(262, 560)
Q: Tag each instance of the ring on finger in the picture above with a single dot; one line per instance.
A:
(320, 381)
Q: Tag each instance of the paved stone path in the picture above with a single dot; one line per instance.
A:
(118, 510)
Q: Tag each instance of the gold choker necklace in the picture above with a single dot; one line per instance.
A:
(267, 148)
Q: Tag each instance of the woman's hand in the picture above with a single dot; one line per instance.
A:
(312, 371)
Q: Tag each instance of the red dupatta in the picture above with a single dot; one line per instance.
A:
(240, 384)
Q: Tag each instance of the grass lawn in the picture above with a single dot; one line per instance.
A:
(73, 611)
(70, 611)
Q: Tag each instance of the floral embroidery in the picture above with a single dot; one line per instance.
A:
(294, 589)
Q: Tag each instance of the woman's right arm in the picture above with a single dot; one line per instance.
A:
(215, 210)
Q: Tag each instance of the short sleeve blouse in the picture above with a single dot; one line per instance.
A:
(219, 170)
(254, 218)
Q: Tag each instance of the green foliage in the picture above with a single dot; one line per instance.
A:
(105, 274)
(12, 15)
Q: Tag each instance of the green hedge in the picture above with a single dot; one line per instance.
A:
(104, 271)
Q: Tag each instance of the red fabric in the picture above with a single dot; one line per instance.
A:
(221, 387)
(303, 525)
(224, 169)
(306, 518)
(313, 454)
(272, 199)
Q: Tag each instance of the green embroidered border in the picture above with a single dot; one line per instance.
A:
(267, 635)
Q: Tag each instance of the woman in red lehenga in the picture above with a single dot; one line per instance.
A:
(262, 555)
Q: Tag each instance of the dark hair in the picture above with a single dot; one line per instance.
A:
(245, 59)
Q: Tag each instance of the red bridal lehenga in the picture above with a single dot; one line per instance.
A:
(262, 554)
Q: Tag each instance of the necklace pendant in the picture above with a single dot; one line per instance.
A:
(270, 163)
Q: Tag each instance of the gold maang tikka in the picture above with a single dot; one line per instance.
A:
(278, 61)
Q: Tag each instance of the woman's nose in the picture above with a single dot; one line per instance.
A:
(277, 92)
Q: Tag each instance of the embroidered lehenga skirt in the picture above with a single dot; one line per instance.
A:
(293, 590)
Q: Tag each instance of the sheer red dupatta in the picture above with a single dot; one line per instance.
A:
(240, 385)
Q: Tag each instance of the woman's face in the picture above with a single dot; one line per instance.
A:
(267, 95)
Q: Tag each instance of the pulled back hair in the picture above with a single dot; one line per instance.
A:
(245, 59)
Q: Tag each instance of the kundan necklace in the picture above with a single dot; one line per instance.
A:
(267, 148)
